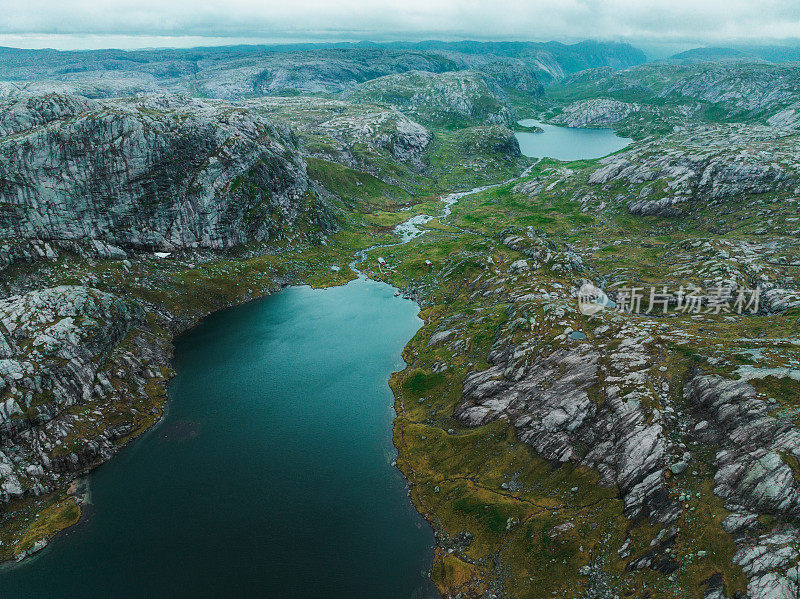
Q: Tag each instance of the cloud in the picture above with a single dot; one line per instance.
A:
(656, 20)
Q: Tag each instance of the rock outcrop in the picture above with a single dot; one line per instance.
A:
(788, 118)
(599, 112)
(405, 140)
(752, 469)
(543, 389)
(713, 165)
(733, 90)
(61, 350)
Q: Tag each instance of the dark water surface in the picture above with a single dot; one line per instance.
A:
(271, 475)
(568, 143)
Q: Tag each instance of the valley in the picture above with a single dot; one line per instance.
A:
(643, 446)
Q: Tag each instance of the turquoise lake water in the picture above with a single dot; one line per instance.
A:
(271, 475)
(568, 143)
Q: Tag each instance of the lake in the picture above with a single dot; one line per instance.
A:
(568, 143)
(271, 475)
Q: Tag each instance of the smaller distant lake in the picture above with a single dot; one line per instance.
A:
(568, 143)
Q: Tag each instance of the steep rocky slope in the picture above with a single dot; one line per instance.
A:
(159, 172)
(88, 190)
(60, 351)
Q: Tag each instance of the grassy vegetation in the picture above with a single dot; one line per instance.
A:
(471, 157)
(31, 520)
(358, 190)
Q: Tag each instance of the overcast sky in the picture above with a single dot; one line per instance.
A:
(144, 23)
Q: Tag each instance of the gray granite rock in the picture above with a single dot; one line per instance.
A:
(596, 112)
(158, 172)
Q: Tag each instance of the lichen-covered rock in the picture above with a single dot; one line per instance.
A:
(545, 253)
(751, 469)
(778, 299)
(770, 563)
(23, 113)
(788, 118)
(597, 112)
(544, 392)
(388, 130)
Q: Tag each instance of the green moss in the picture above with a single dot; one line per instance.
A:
(365, 190)
(784, 389)
(419, 382)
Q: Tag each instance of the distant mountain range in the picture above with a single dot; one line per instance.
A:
(766, 53)
(250, 71)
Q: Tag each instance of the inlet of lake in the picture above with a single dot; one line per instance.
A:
(568, 143)
(271, 475)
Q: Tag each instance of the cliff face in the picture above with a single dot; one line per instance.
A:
(81, 368)
(385, 130)
(161, 172)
